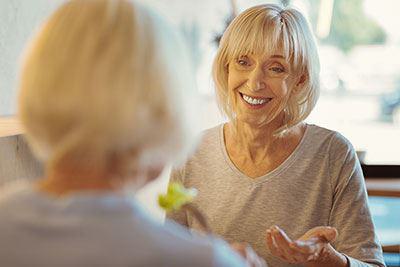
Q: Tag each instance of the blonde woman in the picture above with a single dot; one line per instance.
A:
(294, 191)
(102, 106)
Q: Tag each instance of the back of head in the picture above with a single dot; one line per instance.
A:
(99, 79)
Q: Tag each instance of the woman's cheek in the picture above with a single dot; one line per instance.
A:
(280, 88)
(235, 79)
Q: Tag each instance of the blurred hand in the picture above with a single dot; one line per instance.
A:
(306, 248)
(251, 257)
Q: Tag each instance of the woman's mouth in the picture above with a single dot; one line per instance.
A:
(255, 102)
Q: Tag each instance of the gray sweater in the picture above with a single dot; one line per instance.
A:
(321, 183)
(96, 229)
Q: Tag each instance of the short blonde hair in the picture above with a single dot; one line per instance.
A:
(100, 79)
(264, 29)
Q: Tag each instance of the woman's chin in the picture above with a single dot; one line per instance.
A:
(258, 120)
(255, 121)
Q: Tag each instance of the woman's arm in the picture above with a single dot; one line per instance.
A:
(355, 244)
(350, 213)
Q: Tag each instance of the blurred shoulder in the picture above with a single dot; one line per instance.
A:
(14, 192)
(188, 247)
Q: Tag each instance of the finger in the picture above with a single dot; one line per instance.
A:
(304, 253)
(313, 257)
(270, 242)
(329, 233)
(271, 245)
(281, 239)
(325, 232)
(283, 243)
(290, 249)
(309, 246)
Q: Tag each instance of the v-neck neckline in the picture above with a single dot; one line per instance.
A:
(279, 169)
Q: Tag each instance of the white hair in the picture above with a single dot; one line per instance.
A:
(266, 28)
(105, 78)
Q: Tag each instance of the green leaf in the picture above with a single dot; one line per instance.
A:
(177, 196)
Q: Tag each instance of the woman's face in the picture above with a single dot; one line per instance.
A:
(259, 86)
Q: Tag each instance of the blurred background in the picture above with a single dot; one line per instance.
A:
(359, 46)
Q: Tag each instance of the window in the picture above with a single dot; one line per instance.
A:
(360, 74)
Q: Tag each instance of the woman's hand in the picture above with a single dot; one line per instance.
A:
(307, 249)
(250, 256)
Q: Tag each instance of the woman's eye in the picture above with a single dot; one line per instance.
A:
(277, 69)
(242, 62)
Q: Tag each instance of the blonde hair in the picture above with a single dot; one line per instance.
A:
(100, 80)
(264, 29)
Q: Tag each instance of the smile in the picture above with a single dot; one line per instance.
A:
(255, 101)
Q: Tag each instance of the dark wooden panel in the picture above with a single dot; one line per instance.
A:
(381, 171)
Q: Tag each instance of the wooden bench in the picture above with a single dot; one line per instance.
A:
(16, 158)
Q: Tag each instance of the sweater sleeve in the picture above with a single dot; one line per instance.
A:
(350, 213)
(177, 175)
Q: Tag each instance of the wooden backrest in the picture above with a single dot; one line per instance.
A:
(17, 160)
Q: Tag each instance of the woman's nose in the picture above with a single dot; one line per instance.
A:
(256, 80)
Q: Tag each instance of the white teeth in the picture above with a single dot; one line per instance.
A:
(254, 101)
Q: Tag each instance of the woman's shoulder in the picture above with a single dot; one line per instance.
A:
(208, 152)
(210, 141)
(334, 145)
(188, 246)
(13, 191)
(15, 199)
(334, 139)
(212, 134)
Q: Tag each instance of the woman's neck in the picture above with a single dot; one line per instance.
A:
(257, 143)
(64, 181)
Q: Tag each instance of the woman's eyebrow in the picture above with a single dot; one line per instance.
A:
(277, 56)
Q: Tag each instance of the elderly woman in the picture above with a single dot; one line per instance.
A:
(101, 103)
(266, 177)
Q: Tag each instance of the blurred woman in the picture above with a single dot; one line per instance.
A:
(266, 177)
(102, 105)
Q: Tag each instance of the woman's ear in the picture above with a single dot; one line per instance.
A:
(299, 83)
(302, 80)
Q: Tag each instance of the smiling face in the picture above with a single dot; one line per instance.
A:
(267, 62)
(259, 87)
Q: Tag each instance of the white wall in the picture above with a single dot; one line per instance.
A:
(18, 19)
